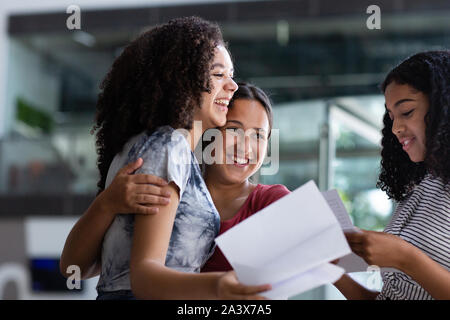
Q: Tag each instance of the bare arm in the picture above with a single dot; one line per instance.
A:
(126, 194)
(431, 276)
(386, 250)
(83, 245)
(151, 279)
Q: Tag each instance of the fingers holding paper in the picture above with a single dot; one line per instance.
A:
(229, 288)
(377, 248)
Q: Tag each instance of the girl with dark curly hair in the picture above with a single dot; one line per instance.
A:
(169, 77)
(415, 170)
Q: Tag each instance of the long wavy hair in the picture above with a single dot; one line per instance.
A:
(428, 72)
(157, 80)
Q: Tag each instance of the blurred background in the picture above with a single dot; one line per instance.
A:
(317, 59)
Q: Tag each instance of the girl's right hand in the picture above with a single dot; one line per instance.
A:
(134, 193)
(229, 288)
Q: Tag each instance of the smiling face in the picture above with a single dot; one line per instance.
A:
(214, 106)
(245, 137)
(407, 108)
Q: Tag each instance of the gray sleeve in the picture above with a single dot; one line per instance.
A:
(168, 157)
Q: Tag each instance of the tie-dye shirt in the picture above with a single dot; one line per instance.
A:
(167, 154)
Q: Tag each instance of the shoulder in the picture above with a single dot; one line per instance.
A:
(266, 194)
(432, 188)
(272, 189)
(163, 141)
(435, 183)
(166, 153)
(430, 198)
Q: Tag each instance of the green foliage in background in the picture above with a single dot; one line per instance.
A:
(33, 117)
(362, 212)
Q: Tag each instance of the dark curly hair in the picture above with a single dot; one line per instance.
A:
(157, 80)
(428, 72)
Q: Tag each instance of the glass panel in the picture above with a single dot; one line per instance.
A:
(62, 163)
(298, 147)
(355, 168)
(357, 161)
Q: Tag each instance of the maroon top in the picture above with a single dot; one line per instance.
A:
(259, 198)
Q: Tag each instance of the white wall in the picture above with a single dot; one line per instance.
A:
(31, 77)
(44, 237)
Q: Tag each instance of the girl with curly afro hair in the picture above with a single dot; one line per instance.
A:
(415, 171)
(167, 87)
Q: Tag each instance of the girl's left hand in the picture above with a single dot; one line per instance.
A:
(378, 248)
(134, 193)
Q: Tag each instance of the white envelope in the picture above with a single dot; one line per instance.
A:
(293, 235)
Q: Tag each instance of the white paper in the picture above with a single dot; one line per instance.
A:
(338, 208)
(317, 276)
(351, 262)
(295, 235)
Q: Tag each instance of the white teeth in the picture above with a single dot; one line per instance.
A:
(240, 160)
(222, 102)
(406, 142)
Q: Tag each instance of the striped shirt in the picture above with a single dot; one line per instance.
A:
(422, 219)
